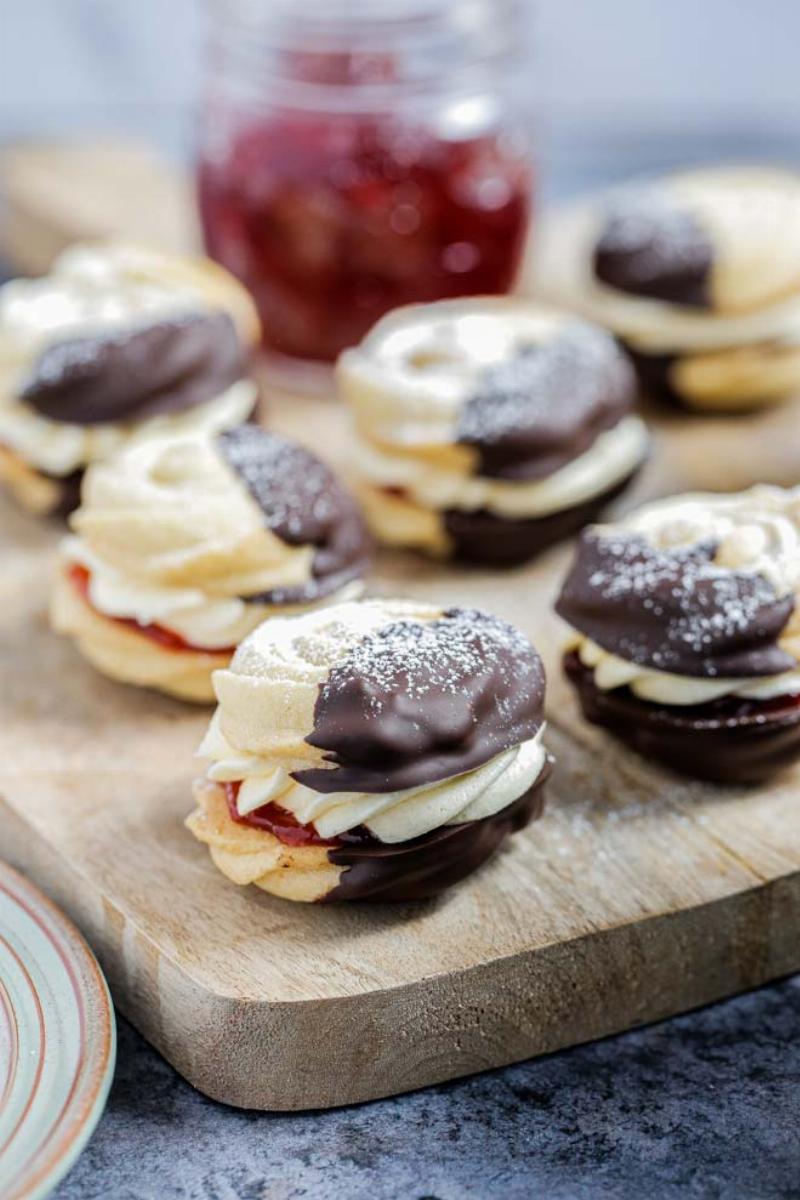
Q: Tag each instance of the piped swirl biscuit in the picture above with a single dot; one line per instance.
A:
(699, 275)
(487, 429)
(116, 341)
(183, 546)
(395, 742)
(687, 632)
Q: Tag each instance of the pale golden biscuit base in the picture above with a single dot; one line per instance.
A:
(399, 521)
(130, 657)
(737, 379)
(247, 855)
(31, 489)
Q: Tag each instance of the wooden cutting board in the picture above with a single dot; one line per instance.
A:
(638, 895)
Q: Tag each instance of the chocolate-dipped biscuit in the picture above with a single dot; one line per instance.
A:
(184, 545)
(487, 428)
(304, 504)
(373, 751)
(115, 342)
(698, 275)
(728, 740)
(687, 640)
(648, 247)
(165, 366)
(483, 538)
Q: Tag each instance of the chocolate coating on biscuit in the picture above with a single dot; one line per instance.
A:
(304, 504)
(131, 375)
(675, 610)
(417, 702)
(424, 867)
(484, 537)
(649, 248)
(729, 740)
(545, 406)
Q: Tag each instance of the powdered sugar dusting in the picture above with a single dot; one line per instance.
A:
(653, 236)
(439, 656)
(296, 491)
(701, 604)
(547, 387)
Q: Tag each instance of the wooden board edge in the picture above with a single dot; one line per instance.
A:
(290, 1056)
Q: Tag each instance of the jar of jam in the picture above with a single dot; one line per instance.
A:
(361, 154)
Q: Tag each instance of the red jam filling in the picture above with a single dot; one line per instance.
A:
(332, 220)
(79, 577)
(277, 821)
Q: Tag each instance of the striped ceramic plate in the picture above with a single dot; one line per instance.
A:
(57, 1041)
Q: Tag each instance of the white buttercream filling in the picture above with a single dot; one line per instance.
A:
(202, 620)
(611, 458)
(661, 687)
(58, 448)
(390, 816)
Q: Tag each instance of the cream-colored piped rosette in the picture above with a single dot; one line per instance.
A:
(734, 343)
(753, 532)
(109, 291)
(310, 699)
(471, 415)
(175, 557)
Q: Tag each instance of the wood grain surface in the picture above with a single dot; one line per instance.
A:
(638, 895)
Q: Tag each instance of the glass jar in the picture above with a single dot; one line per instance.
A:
(360, 155)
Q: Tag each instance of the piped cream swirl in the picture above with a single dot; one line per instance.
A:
(170, 535)
(613, 456)
(390, 816)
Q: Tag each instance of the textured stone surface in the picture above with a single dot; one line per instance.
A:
(705, 1106)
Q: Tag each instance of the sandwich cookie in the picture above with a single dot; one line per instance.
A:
(378, 750)
(488, 429)
(116, 341)
(687, 636)
(698, 274)
(182, 546)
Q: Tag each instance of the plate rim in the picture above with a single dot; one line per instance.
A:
(98, 1072)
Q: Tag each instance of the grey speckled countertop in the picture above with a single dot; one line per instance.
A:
(703, 1106)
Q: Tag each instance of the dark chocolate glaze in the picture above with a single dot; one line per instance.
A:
(417, 702)
(69, 493)
(544, 407)
(426, 866)
(654, 374)
(483, 537)
(146, 371)
(674, 610)
(304, 504)
(727, 741)
(648, 248)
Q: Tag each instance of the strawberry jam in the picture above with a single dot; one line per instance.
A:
(333, 219)
(80, 577)
(286, 828)
(276, 820)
